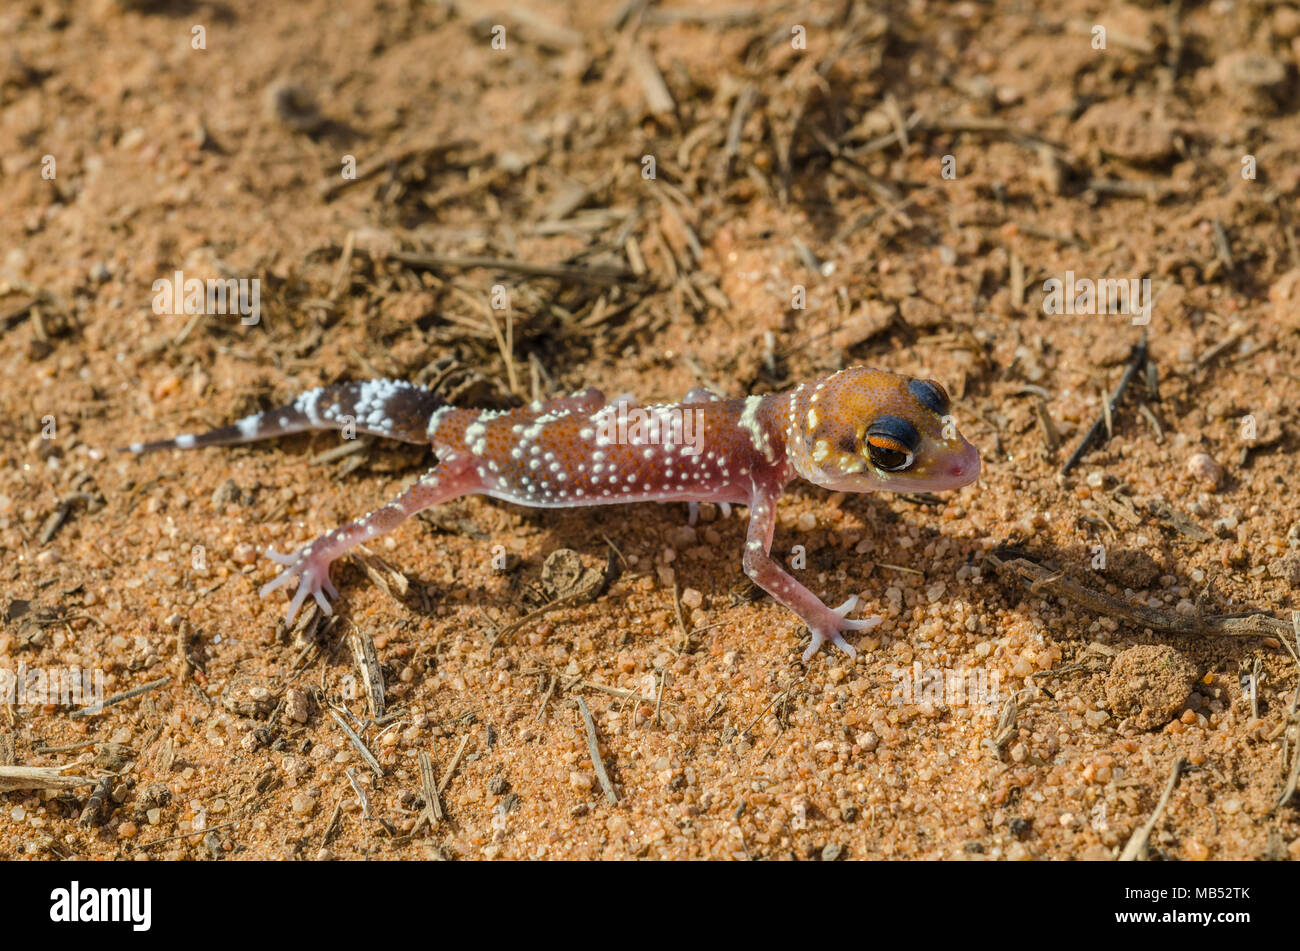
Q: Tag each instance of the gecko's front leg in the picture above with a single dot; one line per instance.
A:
(826, 624)
(451, 478)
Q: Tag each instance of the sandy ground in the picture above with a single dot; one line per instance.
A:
(916, 171)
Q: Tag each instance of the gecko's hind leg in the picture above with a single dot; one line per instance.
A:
(451, 478)
(583, 401)
(701, 394)
(693, 511)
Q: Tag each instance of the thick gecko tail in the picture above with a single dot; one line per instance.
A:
(391, 409)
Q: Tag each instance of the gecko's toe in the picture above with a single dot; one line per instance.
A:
(844, 609)
(814, 647)
(278, 581)
(693, 512)
(838, 640)
(857, 624)
(726, 509)
(860, 624)
(299, 597)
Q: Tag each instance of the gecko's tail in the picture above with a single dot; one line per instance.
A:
(391, 409)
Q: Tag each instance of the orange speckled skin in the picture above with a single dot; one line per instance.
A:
(581, 450)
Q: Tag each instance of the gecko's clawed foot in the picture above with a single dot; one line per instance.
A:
(313, 574)
(835, 634)
(693, 511)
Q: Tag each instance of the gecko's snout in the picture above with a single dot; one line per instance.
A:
(965, 468)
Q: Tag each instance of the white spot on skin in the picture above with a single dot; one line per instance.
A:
(435, 419)
(749, 422)
(185, 442)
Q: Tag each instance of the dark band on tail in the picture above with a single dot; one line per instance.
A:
(391, 409)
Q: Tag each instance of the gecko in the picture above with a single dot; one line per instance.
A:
(856, 430)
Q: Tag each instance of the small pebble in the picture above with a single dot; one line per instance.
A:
(296, 706)
(294, 106)
(1204, 469)
(1096, 718)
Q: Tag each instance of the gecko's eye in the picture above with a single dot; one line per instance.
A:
(931, 395)
(891, 443)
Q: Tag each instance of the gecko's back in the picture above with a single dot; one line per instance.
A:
(575, 455)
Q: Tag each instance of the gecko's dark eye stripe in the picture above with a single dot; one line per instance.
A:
(931, 395)
(896, 430)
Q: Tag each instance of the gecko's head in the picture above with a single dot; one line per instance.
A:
(865, 429)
